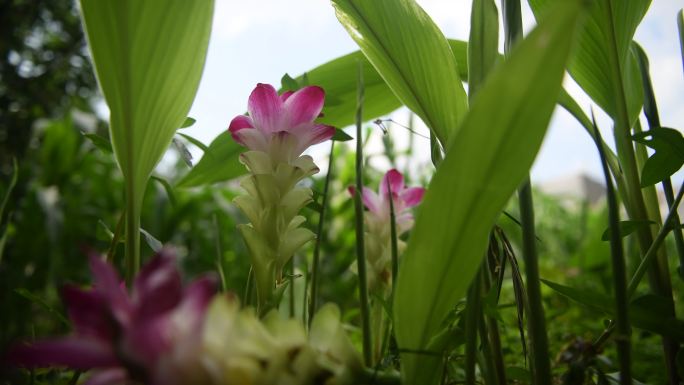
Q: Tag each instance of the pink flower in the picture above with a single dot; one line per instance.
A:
(281, 125)
(148, 337)
(403, 198)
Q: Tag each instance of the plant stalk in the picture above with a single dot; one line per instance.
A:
(313, 300)
(536, 323)
(472, 314)
(635, 205)
(132, 231)
(358, 208)
(619, 274)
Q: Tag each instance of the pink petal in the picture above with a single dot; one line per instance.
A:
(146, 340)
(265, 108)
(285, 95)
(197, 295)
(304, 105)
(73, 352)
(157, 288)
(317, 134)
(89, 312)
(109, 284)
(238, 123)
(371, 200)
(114, 376)
(412, 196)
(394, 180)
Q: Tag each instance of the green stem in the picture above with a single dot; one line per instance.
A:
(291, 288)
(536, 323)
(358, 208)
(472, 314)
(636, 207)
(313, 301)
(219, 254)
(652, 252)
(493, 332)
(653, 118)
(619, 274)
(132, 231)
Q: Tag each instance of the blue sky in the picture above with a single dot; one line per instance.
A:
(259, 40)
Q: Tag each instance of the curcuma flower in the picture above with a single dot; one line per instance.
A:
(239, 348)
(150, 337)
(277, 131)
(378, 223)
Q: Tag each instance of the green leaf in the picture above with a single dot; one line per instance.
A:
(483, 43)
(413, 57)
(288, 83)
(148, 57)
(341, 136)
(196, 142)
(219, 163)
(626, 228)
(167, 187)
(188, 122)
(649, 312)
(668, 158)
(100, 142)
(338, 78)
(590, 66)
(481, 170)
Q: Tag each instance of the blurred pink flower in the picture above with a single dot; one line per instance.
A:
(148, 337)
(403, 198)
(281, 125)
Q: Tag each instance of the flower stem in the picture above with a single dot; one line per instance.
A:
(636, 207)
(536, 324)
(623, 342)
(472, 314)
(313, 300)
(358, 208)
(132, 231)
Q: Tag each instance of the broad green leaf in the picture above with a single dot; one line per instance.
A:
(219, 163)
(626, 228)
(413, 57)
(483, 43)
(649, 312)
(481, 170)
(148, 57)
(338, 78)
(590, 66)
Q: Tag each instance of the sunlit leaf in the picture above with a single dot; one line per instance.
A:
(338, 79)
(148, 57)
(219, 163)
(413, 57)
(481, 170)
(590, 66)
